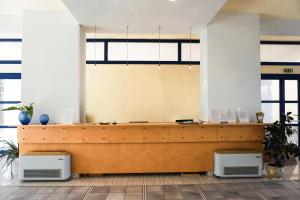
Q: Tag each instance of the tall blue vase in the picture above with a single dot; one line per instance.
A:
(24, 118)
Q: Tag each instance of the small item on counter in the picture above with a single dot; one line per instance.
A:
(260, 117)
(223, 118)
(184, 121)
(104, 123)
(44, 119)
(114, 123)
(138, 122)
(224, 122)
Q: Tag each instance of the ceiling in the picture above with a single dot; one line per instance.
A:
(16, 7)
(144, 16)
(269, 9)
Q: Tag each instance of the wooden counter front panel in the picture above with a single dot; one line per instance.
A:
(241, 133)
(193, 134)
(140, 149)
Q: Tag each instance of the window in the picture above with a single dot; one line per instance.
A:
(280, 94)
(10, 86)
(142, 51)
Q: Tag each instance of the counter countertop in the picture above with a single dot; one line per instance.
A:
(142, 124)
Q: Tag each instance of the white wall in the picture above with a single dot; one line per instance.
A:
(51, 64)
(10, 26)
(280, 27)
(230, 64)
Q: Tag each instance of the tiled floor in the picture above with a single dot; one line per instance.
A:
(280, 190)
(154, 187)
(292, 173)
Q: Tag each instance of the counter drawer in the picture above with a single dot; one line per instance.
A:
(241, 133)
(193, 134)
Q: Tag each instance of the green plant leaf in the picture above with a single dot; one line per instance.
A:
(9, 151)
(11, 108)
(276, 144)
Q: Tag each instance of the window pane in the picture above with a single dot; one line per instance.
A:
(142, 51)
(10, 50)
(269, 89)
(8, 134)
(8, 118)
(292, 107)
(294, 138)
(90, 51)
(280, 53)
(291, 90)
(271, 111)
(185, 52)
(10, 68)
(10, 90)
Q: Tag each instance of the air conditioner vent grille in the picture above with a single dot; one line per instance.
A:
(42, 173)
(251, 170)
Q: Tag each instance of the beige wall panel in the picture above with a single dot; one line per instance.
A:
(141, 92)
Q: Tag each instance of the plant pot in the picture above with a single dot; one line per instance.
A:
(275, 172)
(15, 167)
(24, 118)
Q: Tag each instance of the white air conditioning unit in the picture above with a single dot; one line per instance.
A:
(238, 163)
(45, 166)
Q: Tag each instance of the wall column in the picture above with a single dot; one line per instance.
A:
(230, 64)
(52, 65)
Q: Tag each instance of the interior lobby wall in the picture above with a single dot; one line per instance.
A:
(142, 92)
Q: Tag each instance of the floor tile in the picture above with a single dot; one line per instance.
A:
(213, 194)
(115, 196)
(79, 190)
(173, 195)
(268, 193)
(133, 196)
(191, 195)
(117, 189)
(169, 188)
(63, 190)
(155, 196)
(156, 189)
(17, 197)
(57, 196)
(39, 196)
(45, 190)
(100, 189)
(25, 190)
(134, 189)
(75, 196)
(187, 188)
(97, 196)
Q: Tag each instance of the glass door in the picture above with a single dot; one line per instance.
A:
(280, 94)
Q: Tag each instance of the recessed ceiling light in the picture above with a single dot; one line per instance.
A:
(172, 0)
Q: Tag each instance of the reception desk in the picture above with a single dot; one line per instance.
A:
(140, 148)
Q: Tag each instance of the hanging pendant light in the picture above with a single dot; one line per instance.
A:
(95, 45)
(159, 28)
(127, 27)
(190, 65)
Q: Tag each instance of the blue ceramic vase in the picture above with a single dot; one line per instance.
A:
(44, 119)
(24, 118)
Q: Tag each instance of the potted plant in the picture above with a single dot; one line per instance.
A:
(25, 115)
(9, 152)
(277, 147)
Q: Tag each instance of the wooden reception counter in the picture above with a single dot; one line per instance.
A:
(140, 148)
